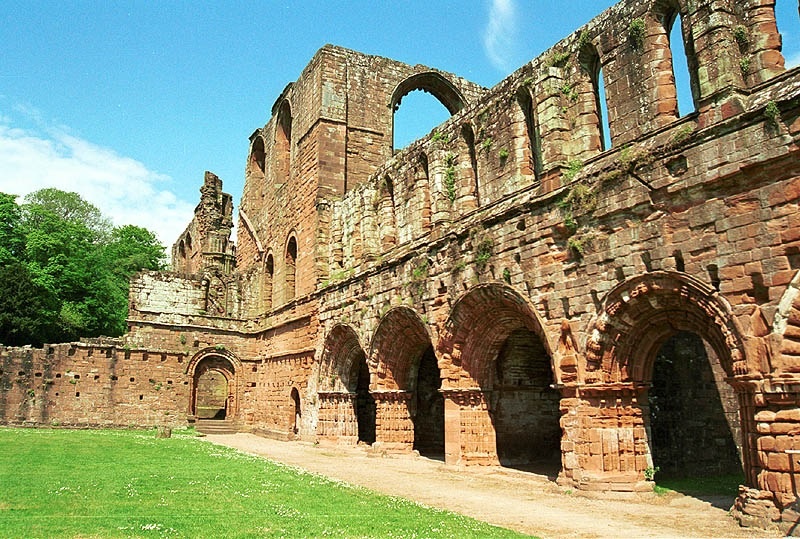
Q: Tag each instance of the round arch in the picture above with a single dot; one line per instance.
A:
(640, 314)
(501, 357)
(211, 360)
(346, 409)
(434, 83)
(408, 383)
(399, 341)
(340, 354)
(258, 154)
(473, 340)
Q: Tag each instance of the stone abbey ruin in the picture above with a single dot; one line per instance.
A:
(510, 290)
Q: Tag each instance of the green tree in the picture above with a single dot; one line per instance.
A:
(70, 207)
(74, 268)
(12, 240)
(28, 311)
(129, 250)
(133, 248)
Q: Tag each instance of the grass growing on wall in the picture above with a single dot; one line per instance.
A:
(70, 483)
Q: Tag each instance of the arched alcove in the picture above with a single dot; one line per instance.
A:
(500, 347)
(213, 391)
(408, 382)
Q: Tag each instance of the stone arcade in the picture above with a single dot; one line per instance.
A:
(510, 290)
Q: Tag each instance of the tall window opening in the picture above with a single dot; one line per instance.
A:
(269, 272)
(602, 108)
(786, 17)
(681, 58)
(469, 138)
(291, 263)
(533, 147)
(594, 113)
(388, 236)
(258, 157)
(283, 143)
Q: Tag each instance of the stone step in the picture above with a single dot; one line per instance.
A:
(215, 426)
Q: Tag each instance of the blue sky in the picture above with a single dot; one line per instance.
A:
(129, 102)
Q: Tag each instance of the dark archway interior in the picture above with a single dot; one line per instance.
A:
(365, 404)
(211, 401)
(694, 421)
(525, 408)
(429, 408)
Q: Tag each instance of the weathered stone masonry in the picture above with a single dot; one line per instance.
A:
(510, 290)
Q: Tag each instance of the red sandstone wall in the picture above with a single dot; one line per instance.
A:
(92, 385)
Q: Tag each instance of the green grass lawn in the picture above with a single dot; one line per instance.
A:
(111, 483)
(718, 485)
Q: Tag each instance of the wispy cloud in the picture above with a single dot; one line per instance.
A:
(124, 189)
(500, 35)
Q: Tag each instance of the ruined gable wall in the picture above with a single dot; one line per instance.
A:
(205, 243)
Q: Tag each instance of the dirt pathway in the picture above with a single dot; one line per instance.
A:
(522, 501)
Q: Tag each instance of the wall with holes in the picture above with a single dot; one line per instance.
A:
(92, 384)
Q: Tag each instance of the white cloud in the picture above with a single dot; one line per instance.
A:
(124, 189)
(500, 36)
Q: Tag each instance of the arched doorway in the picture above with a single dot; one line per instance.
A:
(365, 403)
(408, 390)
(671, 341)
(346, 405)
(694, 422)
(428, 407)
(213, 388)
(507, 377)
(525, 405)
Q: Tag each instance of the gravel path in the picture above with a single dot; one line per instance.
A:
(522, 501)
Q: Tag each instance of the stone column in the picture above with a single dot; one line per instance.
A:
(337, 418)
(770, 413)
(469, 434)
(604, 442)
(394, 428)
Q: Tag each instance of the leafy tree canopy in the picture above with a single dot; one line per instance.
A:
(12, 240)
(65, 270)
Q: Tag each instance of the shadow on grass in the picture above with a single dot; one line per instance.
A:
(718, 490)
